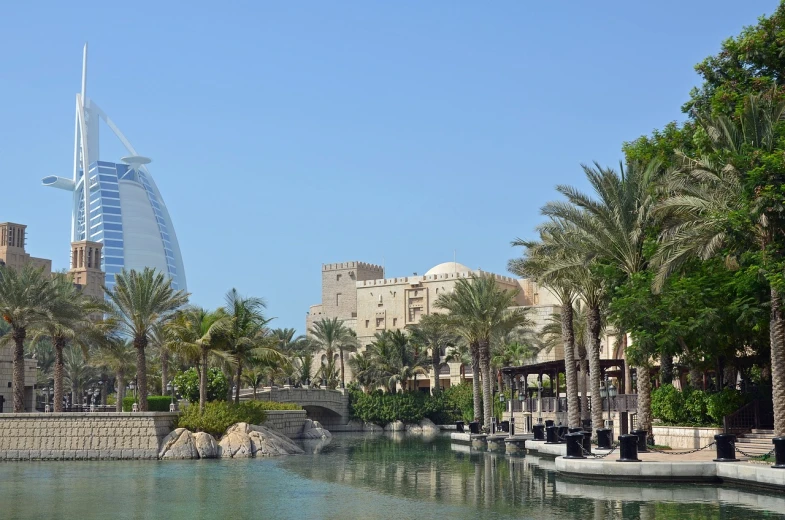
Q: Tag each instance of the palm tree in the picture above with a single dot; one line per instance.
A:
(139, 301)
(460, 354)
(709, 210)
(118, 356)
(478, 309)
(26, 296)
(538, 263)
(71, 319)
(200, 334)
(254, 377)
(248, 338)
(613, 227)
(331, 335)
(433, 334)
(288, 343)
(364, 369)
(78, 373)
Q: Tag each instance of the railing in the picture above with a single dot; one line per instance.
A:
(618, 403)
(744, 419)
(79, 408)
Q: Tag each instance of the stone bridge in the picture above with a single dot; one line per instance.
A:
(329, 407)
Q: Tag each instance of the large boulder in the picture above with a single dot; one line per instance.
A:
(179, 445)
(314, 430)
(249, 440)
(371, 427)
(206, 446)
(428, 426)
(395, 426)
(413, 428)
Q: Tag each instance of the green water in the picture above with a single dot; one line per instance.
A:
(355, 476)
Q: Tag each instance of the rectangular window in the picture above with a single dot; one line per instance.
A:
(113, 251)
(395, 321)
(113, 235)
(113, 218)
(113, 269)
(113, 243)
(112, 211)
(367, 323)
(113, 261)
(113, 227)
(111, 194)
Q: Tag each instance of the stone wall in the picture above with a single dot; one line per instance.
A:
(66, 436)
(288, 422)
(684, 437)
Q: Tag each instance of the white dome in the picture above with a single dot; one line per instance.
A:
(448, 268)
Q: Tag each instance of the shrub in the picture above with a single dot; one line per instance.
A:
(187, 384)
(459, 402)
(219, 415)
(155, 403)
(667, 404)
(724, 403)
(693, 407)
(410, 407)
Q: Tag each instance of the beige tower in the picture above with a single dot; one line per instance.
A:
(12, 248)
(86, 267)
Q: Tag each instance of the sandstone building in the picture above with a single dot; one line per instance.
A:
(359, 294)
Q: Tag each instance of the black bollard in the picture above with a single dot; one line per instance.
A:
(474, 427)
(576, 430)
(550, 435)
(587, 442)
(641, 434)
(539, 432)
(628, 448)
(779, 452)
(604, 438)
(574, 446)
(561, 432)
(512, 426)
(459, 426)
(493, 425)
(548, 422)
(726, 447)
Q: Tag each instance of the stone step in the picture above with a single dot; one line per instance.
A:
(770, 433)
(767, 436)
(762, 442)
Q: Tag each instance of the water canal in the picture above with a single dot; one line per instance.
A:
(355, 476)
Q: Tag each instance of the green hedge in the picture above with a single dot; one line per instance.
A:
(411, 407)
(694, 407)
(219, 415)
(155, 403)
(187, 384)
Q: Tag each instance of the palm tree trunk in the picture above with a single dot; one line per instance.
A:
(239, 380)
(627, 367)
(59, 345)
(343, 379)
(435, 367)
(203, 381)
(164, 370)
(777, 334)
(476, 390)
(666, 369)
(140, 342)
(120, 391)
(568, 338)
(19, 370)
(644, 399)
(594, 366)
(585, 412)
(487, 395)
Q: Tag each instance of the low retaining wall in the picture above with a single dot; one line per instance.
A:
(66, 436)
(288, 422)
(684, 437)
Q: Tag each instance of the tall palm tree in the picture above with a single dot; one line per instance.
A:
(26, 297)
(198, 333)
(460, 354)
(613, 227)
(478, 309)
(118, 356)
(248, 337)
(434, 335)
(139, 301)
(538, 263)
(254, 377)
(288, 342)
(711, 211)
(78, 373)
(332, 335)
(71, 319)
(364, 370)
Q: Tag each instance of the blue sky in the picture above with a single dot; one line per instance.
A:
(286, 135)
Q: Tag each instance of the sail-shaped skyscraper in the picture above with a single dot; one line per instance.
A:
(117, 203)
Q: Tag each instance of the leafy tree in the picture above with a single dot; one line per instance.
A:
(118, 356)
(331, 336)
(433, 334)
(188, 385)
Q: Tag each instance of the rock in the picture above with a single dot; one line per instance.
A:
(206, 446)
(314, 430)
(413, 428)
(247, 440)
(179, 445)
(371, 427)
(427, 426)
(395, 426)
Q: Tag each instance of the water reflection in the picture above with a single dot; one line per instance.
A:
(432, 469)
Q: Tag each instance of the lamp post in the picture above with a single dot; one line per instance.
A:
(539, 401)
(96, 393)
(132, 386)
(171, 388)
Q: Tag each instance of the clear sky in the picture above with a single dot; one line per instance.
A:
(290, 134)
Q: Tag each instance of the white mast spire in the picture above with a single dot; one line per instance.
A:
(84, 73)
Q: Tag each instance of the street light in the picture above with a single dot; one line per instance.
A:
(539, 400)
(132, 386)
(609, 391)
(171, 388)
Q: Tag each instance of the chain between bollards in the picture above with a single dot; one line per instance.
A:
(752, 456)
(682, 452)
(590, 454)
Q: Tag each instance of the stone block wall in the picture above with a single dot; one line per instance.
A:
(288, 422)
(684, 437)
(69, 436)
